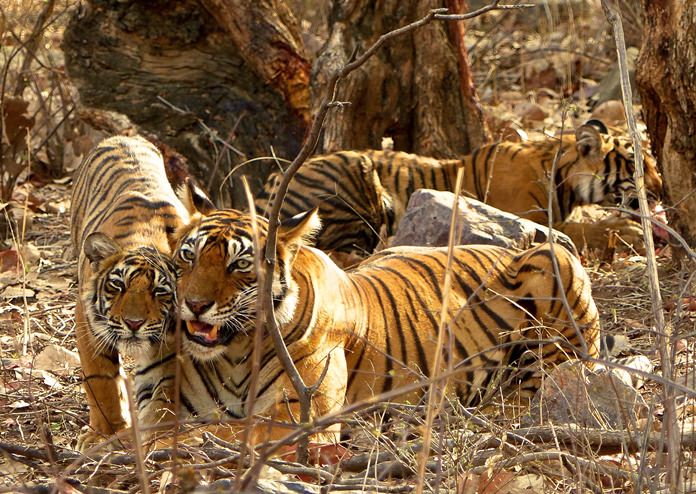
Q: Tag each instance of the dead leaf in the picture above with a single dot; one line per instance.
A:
(50, 381)
(19, 404)
(500, 482)
(13, 292)
(17, 123)
(9, 261)
(17, 120)
(58, 360)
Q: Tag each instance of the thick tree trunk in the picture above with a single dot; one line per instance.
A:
(416, 89)
(667, 85)
(224, 81)
(221, 81)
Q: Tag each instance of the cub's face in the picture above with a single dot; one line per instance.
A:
(624, 192)
(606, 164)
(130, 301)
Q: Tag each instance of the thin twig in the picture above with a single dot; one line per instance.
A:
(663, 340)
(266, 294)
(436, 395)
(248, 436)
(487, 8)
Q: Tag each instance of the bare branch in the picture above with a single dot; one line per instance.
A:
(493, 6)
(663, 341)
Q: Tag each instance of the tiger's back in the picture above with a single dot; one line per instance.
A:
(592, 168)
(503, 305)
(123, 176)
(346, 186)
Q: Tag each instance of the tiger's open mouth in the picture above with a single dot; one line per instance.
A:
(203, 333)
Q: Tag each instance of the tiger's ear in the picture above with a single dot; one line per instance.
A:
(599, 125)
(299, 229)
(195, 199)
(99, 246)
(588, 140)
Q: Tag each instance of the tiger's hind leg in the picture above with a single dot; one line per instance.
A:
(101, 378)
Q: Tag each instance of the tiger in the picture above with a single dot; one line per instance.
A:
(358, 333)
(123, 215)
(362, 195)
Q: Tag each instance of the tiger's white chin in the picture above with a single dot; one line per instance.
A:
(134, 347)
(202, 353)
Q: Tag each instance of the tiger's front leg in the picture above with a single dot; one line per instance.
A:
(595, 236)
(327, 371)
(101, 379)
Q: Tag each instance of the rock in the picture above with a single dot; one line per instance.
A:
(610, 112)
(572, 394)
(427, 223)
(531, 112)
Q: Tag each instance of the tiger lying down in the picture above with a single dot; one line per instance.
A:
(362, 195)
(374, 328)
(123, 212)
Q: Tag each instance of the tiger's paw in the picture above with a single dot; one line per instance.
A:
(629, 232)
(93, 440)
(596, 236)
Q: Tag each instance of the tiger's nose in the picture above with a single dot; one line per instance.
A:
(198, 307)
(134, 324)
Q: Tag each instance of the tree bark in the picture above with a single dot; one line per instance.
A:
(667, 86)
(414, 90)
(221, 81)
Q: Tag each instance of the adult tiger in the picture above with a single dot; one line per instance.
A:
(123, 213)
(360, 193)
(374, 328)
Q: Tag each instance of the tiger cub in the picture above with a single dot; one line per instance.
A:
(362, 193)
(374, 328)
(122, 216)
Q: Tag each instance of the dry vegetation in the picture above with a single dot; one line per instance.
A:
(529, 69)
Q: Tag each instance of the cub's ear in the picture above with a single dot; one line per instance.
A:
(195, 199)
(299, 229)
(99, 246)
(599, 125)
(588, 140)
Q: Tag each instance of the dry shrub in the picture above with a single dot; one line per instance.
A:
(36, 99)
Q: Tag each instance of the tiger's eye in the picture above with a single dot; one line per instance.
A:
(187, 255)
(117, 285)
(243, 264)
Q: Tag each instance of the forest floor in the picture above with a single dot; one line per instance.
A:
(525, 82)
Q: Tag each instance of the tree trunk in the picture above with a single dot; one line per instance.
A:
(417, 89)
(219, 88)
(224, 81)
(667, 85)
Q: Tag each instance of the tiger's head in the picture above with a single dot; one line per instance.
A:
(131, 296)
(218, 284)
(602, 171)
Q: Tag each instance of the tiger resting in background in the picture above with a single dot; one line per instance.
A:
(123, 214)
(360, 192)
(375, 327)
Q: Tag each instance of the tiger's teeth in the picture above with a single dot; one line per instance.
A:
(206, 331)
(212, 334)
